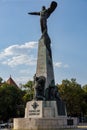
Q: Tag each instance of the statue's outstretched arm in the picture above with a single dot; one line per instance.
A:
(34, 13)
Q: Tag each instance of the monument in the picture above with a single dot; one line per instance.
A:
(46, 110)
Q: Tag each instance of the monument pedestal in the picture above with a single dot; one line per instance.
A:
(43, 115)
(43, 123)
(43, 109)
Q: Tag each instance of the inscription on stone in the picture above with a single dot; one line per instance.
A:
(35, 109)
(34, 112)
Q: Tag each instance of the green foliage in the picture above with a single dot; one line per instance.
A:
(1, 80)
(13, 100)
(85, 88)
(29, 84)
(72, 93)
(10, 99)
(85, 98)
(29, 91)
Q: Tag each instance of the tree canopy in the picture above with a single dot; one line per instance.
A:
(10, 99)
(74, 96)
(29, 91)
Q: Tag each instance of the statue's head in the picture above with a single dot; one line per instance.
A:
(43, 7)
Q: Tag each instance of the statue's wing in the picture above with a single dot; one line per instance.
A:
(52, 7)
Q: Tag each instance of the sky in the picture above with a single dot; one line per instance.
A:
(20, 33)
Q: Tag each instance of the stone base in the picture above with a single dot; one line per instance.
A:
(44, 115)
(43, 109)
(44, 123)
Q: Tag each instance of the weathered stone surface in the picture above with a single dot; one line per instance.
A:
(44, 61)
(43, 123)
(41, 109)
(34, 109)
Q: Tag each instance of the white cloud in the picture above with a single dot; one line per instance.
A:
(58, 64)
(20, 60)
(17, 49)
(19, 54)
(61, 65)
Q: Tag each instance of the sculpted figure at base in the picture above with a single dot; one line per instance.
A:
(39, 87)
(44, 15)
(52, 93)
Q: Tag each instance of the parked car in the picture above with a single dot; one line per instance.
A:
(4, 125)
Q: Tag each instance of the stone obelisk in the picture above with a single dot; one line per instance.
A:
(44, 61)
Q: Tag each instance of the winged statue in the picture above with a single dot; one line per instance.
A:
(44, 15)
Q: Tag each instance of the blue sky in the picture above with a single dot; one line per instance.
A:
(20, 32)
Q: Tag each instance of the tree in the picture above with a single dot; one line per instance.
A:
(72, 93)
(10, 99)
(29, 91)
(85, 88)
(85, 99)
(1, 80)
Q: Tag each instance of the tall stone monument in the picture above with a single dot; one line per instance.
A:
(44, 71)
(45, 88)
(46, 110)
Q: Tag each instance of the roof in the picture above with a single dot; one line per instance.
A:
(10, 81)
